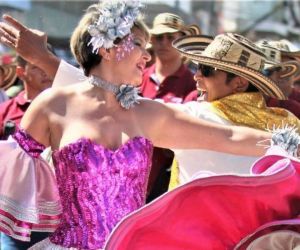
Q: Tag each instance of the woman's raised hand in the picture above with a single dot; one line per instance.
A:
(28, 43)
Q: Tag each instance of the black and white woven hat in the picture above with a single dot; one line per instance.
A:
(231, 53)
(286, 47)
(287, 68)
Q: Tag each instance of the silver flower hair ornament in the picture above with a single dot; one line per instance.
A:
(116, 18)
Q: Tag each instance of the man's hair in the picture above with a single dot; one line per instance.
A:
(229, 77)
(251, 87)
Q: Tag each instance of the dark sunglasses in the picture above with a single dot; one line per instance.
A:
(206, 70)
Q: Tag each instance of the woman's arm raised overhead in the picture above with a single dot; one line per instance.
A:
(29, 43)
(170, 128)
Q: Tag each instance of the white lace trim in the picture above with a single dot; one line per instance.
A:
(30, 214)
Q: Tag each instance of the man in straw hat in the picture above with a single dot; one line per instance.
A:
(289, 52)
(284, 74)
(231, 80)
(168, 78)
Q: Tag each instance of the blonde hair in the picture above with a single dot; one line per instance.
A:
(80, 38)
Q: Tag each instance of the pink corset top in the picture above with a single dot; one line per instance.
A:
(97, 187)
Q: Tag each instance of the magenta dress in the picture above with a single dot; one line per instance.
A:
(96, 187)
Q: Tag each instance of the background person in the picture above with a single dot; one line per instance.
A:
(34, 81)
(168, 78)
(284, 74)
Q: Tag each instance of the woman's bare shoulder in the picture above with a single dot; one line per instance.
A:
(54, 96)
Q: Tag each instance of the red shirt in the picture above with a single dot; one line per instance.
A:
(295, 95)
(290, 105)
(13, 110)
(173, 89)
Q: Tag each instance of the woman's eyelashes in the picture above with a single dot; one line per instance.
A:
(137, 43)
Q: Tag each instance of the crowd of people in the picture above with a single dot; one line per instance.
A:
(164, 138)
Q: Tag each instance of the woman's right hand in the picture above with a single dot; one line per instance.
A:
(31, 44)
(26, 42)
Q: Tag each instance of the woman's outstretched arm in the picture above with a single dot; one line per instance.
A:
(170, 128)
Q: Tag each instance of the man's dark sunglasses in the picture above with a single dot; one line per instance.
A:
(206, 70)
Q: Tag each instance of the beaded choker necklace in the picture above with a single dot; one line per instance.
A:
(126, 94)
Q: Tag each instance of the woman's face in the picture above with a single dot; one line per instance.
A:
(131, 57)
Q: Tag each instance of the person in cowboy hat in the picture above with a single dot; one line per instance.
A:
(231, 80)
(289, 52)
(283, 73)
(7, 78)
(168, 78)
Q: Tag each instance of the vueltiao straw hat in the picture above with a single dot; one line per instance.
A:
(287, 69)
(9, 75)
(231, 53)
(171, 23)
(285, 47)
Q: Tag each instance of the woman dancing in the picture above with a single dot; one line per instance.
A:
(101, 135)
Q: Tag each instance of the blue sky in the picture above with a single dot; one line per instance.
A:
(23, 4)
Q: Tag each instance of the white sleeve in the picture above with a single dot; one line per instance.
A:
(67, 75)
(204, 110)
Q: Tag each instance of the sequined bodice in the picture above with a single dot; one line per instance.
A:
(98, 187)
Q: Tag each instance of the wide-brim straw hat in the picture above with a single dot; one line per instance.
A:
(285, 47)
(9, 75)
(171, 23)
(231, 53)
(286, 69)
(166, 23)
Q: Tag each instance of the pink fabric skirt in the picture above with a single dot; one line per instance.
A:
(221, 212)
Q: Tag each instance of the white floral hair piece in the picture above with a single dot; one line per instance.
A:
(116, 18)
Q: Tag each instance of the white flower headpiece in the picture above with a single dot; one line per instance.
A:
(115, 21)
